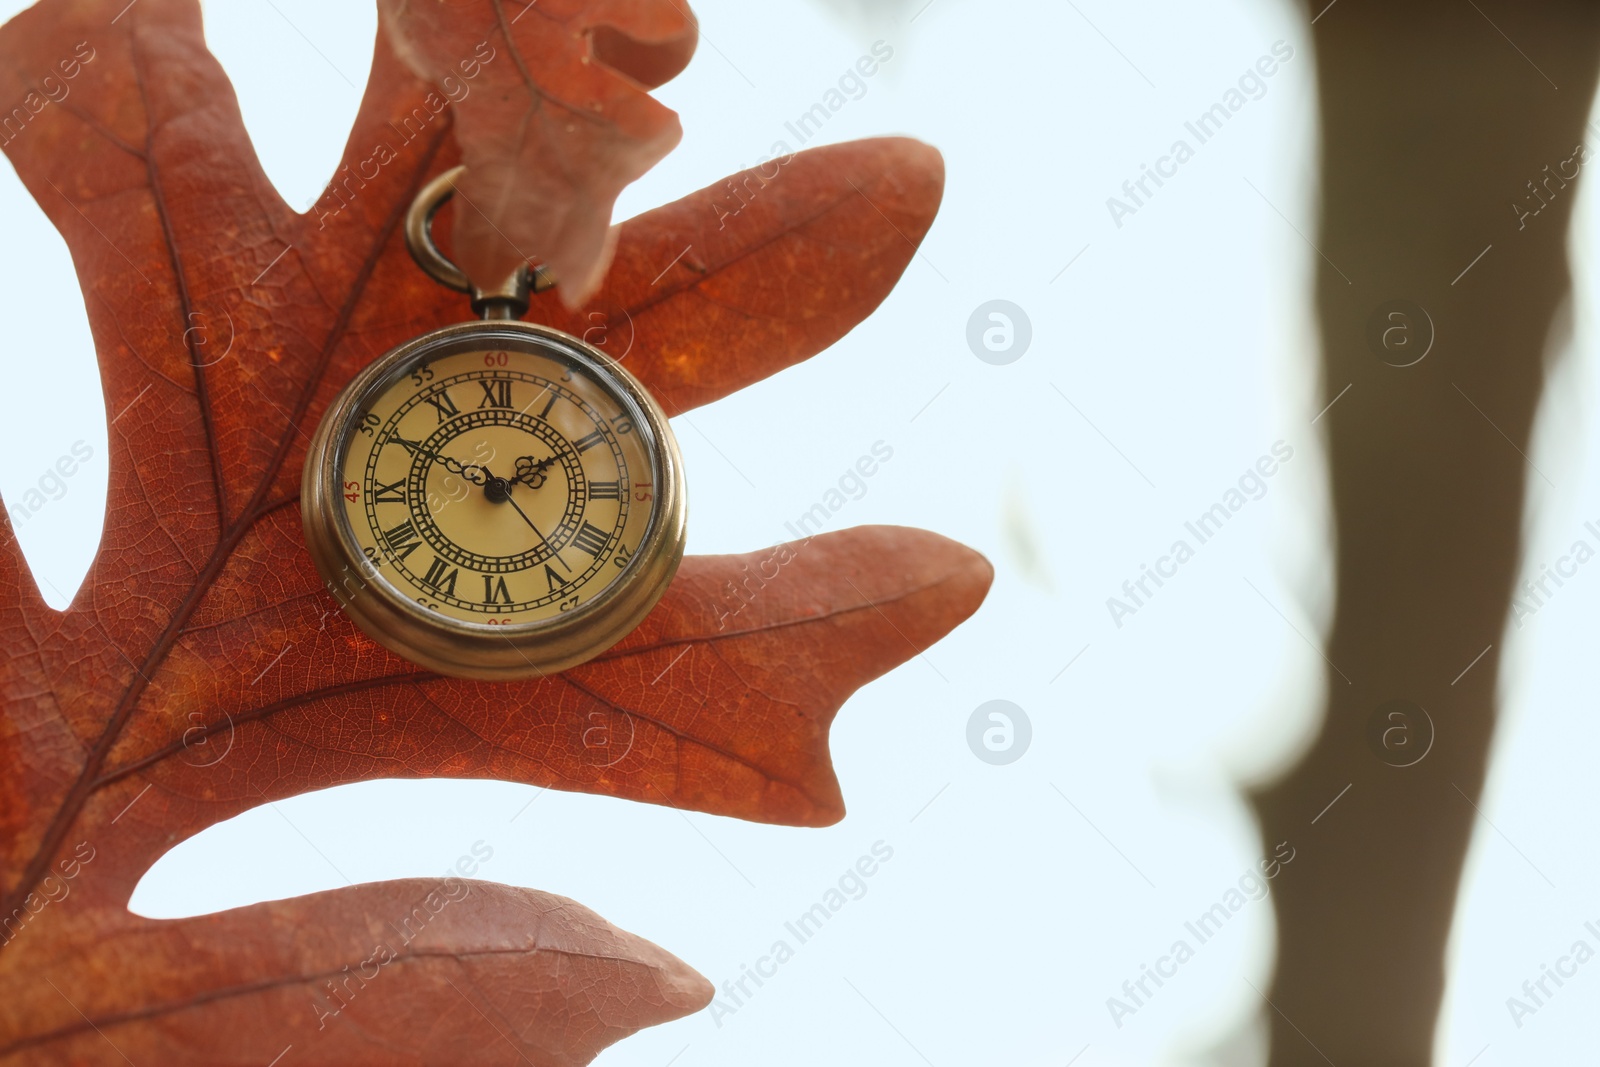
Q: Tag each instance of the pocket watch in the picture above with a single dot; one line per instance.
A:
(495, 499)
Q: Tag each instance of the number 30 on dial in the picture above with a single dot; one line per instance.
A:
(495, 500)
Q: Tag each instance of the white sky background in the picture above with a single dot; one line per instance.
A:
(1165, 360)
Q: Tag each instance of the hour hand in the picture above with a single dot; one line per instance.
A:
(531, 473)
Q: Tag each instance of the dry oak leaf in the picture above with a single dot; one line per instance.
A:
(202, 671)
(554, 123)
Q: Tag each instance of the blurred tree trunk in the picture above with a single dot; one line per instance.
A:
(1434, 121)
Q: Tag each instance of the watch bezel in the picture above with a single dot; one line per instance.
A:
(459, 647)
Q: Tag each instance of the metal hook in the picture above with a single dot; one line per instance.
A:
(508, 300)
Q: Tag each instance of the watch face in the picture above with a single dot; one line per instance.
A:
(499, 479)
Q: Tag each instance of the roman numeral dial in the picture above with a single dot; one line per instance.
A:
(500, 487)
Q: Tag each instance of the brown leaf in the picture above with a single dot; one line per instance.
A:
(406, 972)
(202, 671)
(559, 122)
(761, 270)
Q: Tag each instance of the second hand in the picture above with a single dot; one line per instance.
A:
(542, 539)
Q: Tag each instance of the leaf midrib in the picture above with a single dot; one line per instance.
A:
(417, 958)
(86, 783)
(265, 712)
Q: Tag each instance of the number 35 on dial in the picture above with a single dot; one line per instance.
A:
(495, 500)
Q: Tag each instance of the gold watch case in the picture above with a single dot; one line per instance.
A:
(449, 645)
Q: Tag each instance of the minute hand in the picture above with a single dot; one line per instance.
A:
(454, 466)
